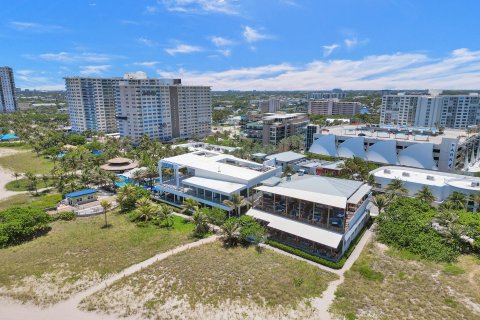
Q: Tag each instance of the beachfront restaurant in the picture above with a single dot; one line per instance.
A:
(318, 215)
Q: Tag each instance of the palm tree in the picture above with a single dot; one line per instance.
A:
(139, 176)
(45, 179)
(230, 232)
(458, 200)
(425, 194)
(16, 175)
(106, 205)
(32, 180)
(165, 215)
(200, 220)
(381, 201)
(396, 187)
(476, 200)
(190, 205)
(145, 209)
(447, 206)
(151, 173)
(236, 202)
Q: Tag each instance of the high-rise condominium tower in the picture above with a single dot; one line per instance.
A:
(7, 90)
(134, 106)
(163, 109)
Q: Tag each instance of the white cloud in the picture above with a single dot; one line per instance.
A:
(29, 79)
(151, 9)
(201, 6)
(458, 70)
(24, 72)
(353, 42)
(221, 42)
(147, 42)
(66, 57)
(225, 52)
(328, 49)
(34, 27)
(149, 64)
(252, 35)
(94, 70)
(182, 48)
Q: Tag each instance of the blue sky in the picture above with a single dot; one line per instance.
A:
(249, 44)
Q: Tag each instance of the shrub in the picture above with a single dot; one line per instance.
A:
(18, 224)
(66, 216)
(215, 216)
(368, 273)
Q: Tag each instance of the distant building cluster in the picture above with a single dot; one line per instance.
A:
(334, 94)
(328, 107)
(8, 102)
(135, 105)
(271, 128)
(440, 111)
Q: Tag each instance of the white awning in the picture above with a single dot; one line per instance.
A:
(320, 198)
(218, 186)
(328, 238)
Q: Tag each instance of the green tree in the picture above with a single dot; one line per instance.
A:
(190, 205)
(425, 194)
(32, 181)
(106, 205)
(16, 175)
(457, 199)
(230, 232)
(396, 187)
(200, 220)
(236, 202)
(380, 201)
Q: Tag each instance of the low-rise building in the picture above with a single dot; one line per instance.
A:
(319, 215)
(442, 184)
(284, 159)
(209, 177)
(199, 146)
(81, 197)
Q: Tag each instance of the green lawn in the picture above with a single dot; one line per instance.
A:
(387, 284)
(22, 184)
(26, 162)
(211, 276)
(76, 254)
(42, 201)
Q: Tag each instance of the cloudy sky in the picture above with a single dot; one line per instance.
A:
(247, 44)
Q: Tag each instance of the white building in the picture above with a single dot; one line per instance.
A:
(449, 111)
(441, 184)
(163, 109)
(203, 146)
(330, 107)
(210, 178)
(8, 102)
(271, 105)
(91, 104)
(318, 215)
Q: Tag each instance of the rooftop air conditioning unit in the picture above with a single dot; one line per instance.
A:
(475, 184)
(431, 178)
(387, 171)
(406, 174)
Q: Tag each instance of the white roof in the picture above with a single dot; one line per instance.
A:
(327, 199)
(303, 230)
(358, 195)
(219, 186)
(287, 156)
(214, 162)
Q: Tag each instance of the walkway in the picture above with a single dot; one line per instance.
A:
(68, 309)
(323, 303)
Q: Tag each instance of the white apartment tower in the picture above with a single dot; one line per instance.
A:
(8, 102)
(163, 109)
(449, 111)
(91, 104)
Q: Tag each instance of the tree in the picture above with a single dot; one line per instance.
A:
(45, 179)
(106, 205)
(251, 230)
(215, 215)
(236, 202)
(145, 211)
(165, 216)
(425, 194)
(33, 181)
(190, 205)
(395, 187)
(457, 199)
(128, 195)
(16, 175)
(200, 220)
(476, 200)
(380, 201)
(230, 232)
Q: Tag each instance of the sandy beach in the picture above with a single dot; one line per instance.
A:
(6, 175)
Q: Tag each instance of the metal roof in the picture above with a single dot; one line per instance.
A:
(219, 186)
(80, 193)
(286, 156)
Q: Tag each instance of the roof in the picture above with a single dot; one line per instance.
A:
(80, 193)
(220, 165)
(323, 190)
(272, 181)
(259, 155)
(288, 156)
(303, 230)
(214, 185)
(8, 136)
(119, 161)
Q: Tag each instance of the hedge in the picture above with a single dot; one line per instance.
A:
(331, 264)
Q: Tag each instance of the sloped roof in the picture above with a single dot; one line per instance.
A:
(80, 193)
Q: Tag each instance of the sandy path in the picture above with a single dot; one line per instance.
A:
(6, 175)
(323, 303)
(10, 310)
